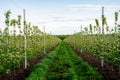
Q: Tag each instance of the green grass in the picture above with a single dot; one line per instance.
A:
(39, 72)
(63, 64)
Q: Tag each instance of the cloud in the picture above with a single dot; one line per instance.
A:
(91, 6)
(57, 17)
(60, 20)
(82, 6)
(76, 19)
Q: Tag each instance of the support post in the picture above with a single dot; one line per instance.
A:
(102, 61)
(25, 39)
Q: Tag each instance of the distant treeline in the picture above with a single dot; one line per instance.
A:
(62, 37)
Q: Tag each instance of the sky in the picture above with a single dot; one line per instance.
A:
(60, 16)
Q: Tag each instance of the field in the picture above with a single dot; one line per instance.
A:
(63, 64)
(28, 53)
(103, 55)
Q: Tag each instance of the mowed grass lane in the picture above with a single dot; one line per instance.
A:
(63, 64)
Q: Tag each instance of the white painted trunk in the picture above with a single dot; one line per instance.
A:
(81, 43)
(44, 39)
(25, 45)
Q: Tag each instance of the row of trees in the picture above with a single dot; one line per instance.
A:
(97, 29)
(18, 29)
(20, 40)
(99, 41)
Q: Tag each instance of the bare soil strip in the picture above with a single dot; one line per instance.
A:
(21, 73)
(109, 70)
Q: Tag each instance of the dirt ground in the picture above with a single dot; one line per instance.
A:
(108, 71)
(21, 73)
